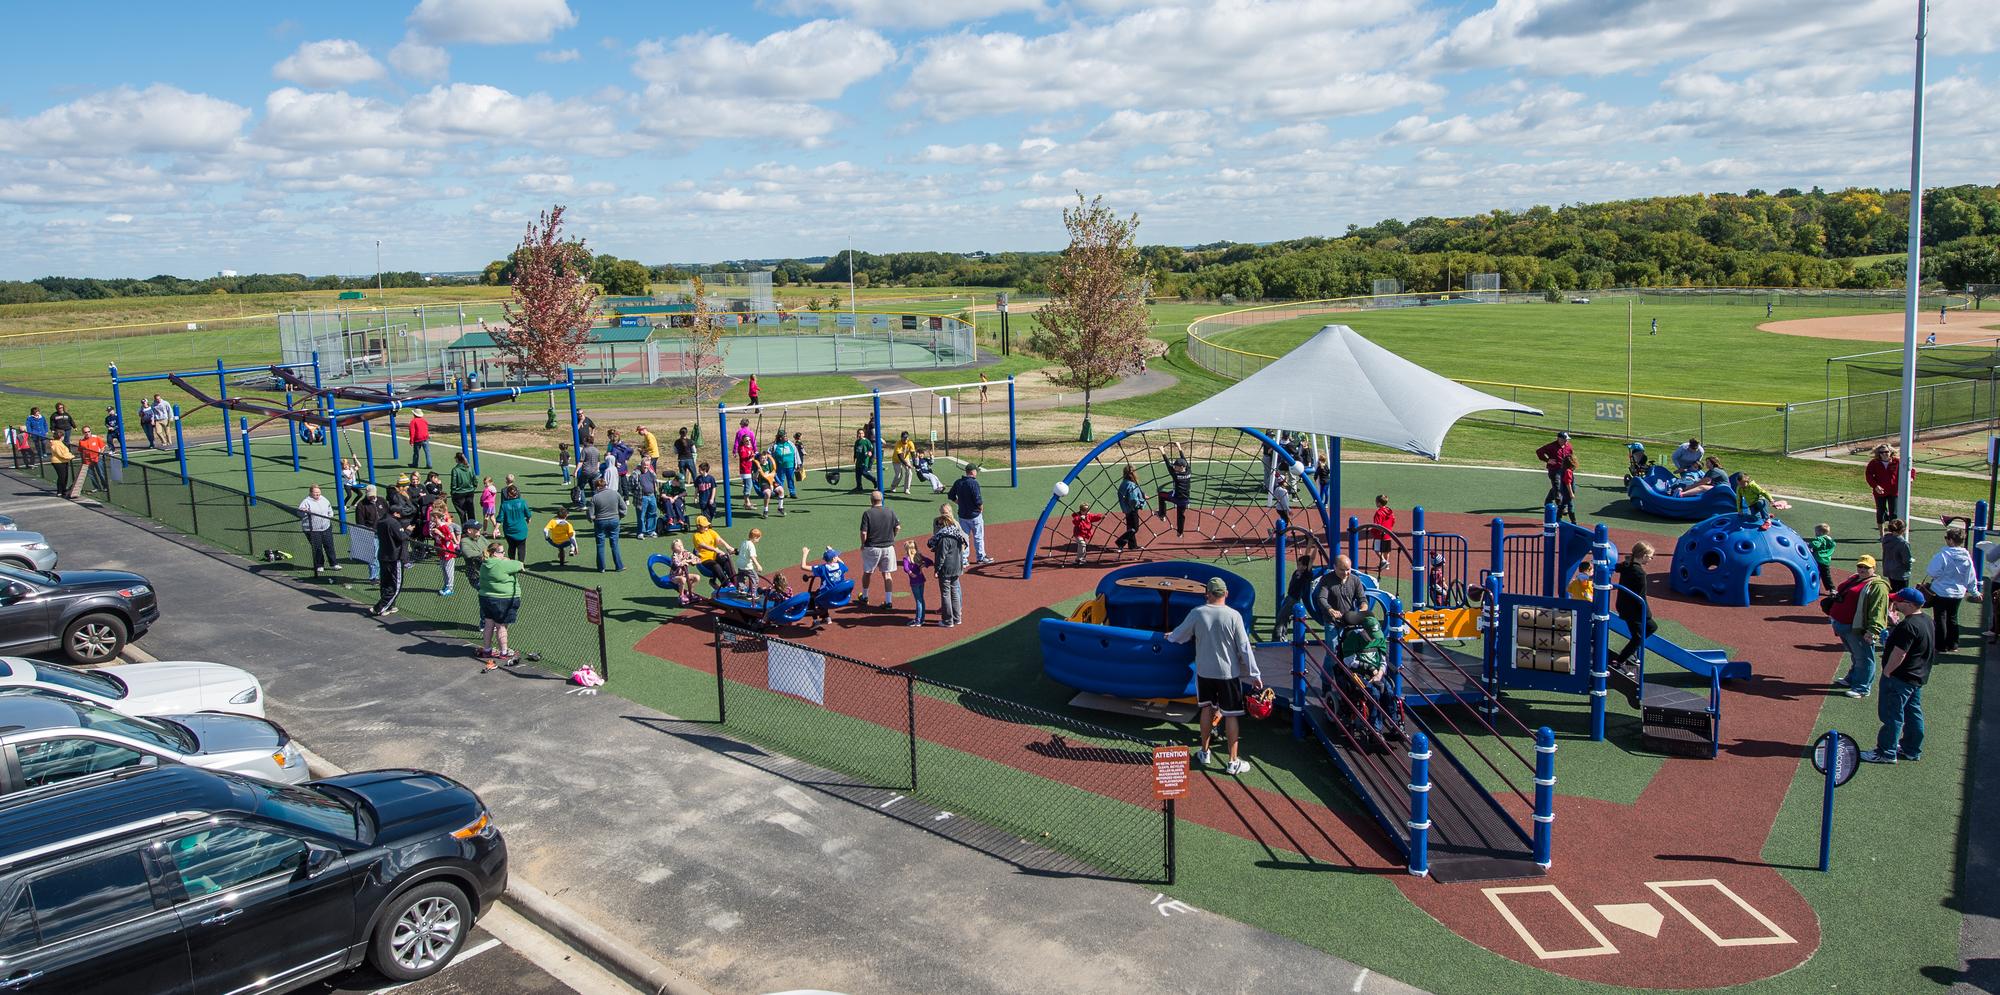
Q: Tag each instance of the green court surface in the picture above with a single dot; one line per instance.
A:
(1887, 912)
(774, 355)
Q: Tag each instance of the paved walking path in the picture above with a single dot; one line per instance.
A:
(697, 848)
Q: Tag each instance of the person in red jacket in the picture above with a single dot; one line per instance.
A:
(1560, 461)
(1885, 481)
(420, 439)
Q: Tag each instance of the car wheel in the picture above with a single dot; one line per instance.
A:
(421, 932)
(94, 638)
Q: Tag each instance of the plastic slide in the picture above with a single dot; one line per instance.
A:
(1703, 662)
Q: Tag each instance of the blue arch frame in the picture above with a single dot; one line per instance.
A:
(1327, 514)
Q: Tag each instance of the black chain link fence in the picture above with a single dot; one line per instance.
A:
(551, 633)
(1051, 781)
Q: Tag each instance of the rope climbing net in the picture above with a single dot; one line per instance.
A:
(1209, 494)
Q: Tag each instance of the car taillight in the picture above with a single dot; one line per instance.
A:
(475, 827)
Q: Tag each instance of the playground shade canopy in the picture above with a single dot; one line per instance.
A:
(1340, 384)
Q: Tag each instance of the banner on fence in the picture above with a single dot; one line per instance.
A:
(844, 320)
(796, 671)
(593, 607)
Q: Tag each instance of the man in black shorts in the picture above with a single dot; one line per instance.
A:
(1222, 657)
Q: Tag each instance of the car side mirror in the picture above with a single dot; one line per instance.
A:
(319, 858)
(16, 590)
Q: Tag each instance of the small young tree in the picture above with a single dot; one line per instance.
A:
(1094, 324)
(549, 316)
(706, 378)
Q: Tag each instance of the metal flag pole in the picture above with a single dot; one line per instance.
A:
(1912, 279)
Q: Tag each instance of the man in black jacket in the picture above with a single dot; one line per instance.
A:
(392, 541)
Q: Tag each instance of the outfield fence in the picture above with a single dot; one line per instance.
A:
(552, 632)
(1046, 782)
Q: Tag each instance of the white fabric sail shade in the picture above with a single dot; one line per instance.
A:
(1338, 383)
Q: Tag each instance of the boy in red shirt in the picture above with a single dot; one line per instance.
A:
(1385, 519)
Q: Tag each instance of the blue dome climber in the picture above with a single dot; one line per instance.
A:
(1717, 558)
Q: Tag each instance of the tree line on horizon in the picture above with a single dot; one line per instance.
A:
(1791, 238)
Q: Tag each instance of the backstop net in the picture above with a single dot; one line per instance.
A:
(735, 291)
(1955, 390)
(1483, 287)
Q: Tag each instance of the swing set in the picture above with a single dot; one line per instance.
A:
(956, 422)
(310, 403)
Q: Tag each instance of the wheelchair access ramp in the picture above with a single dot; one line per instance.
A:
(1472, 836)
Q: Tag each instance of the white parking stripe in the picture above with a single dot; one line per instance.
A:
(463, 956)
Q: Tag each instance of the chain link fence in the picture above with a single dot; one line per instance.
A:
(552, 632)
(1052, 782)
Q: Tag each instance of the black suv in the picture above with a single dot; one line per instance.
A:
(89, 615)
(182, 880)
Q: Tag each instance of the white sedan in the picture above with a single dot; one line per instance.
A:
(163, 688)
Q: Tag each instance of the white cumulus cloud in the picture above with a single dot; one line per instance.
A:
(327, 63)
(490, 22)
(417, 60)
(906, 14)
(159, 118)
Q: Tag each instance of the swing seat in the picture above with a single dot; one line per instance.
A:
(834, 595)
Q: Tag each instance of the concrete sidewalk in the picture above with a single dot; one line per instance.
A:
(723, 862)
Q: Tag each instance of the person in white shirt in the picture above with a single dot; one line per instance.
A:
(316, 518)
(1953, 582)
(749, 570)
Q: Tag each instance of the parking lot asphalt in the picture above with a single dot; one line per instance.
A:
(691, 846)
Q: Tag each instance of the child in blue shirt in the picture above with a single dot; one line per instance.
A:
(704, 490)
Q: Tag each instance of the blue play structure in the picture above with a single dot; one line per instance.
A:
(1649, 494)
(1717, 559)
(1128, 655)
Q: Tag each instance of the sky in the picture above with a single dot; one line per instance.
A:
(262, 137)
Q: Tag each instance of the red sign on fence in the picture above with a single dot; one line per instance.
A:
(593, 606)
(1170, 772)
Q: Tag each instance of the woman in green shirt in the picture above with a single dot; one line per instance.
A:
(514, 515)
(499, 589)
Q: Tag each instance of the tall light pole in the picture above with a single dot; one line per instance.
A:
(850, 275)
(1913, 279)
(1628, 367)
(378, 268)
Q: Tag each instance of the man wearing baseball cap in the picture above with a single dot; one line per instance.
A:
(1222, 656)
(1864, 601)
(1906, 665)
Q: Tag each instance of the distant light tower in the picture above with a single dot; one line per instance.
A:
(378, 267)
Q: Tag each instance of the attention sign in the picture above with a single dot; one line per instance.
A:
(1170, 772)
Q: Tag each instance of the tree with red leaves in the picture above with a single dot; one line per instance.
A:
(549, 317)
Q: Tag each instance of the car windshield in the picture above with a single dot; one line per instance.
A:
(163, 733)
(89, 682)
(310, 807)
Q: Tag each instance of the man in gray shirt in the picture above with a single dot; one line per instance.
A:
(1338, 593)
(607, 507)
(879, 527)
(1223, 656)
